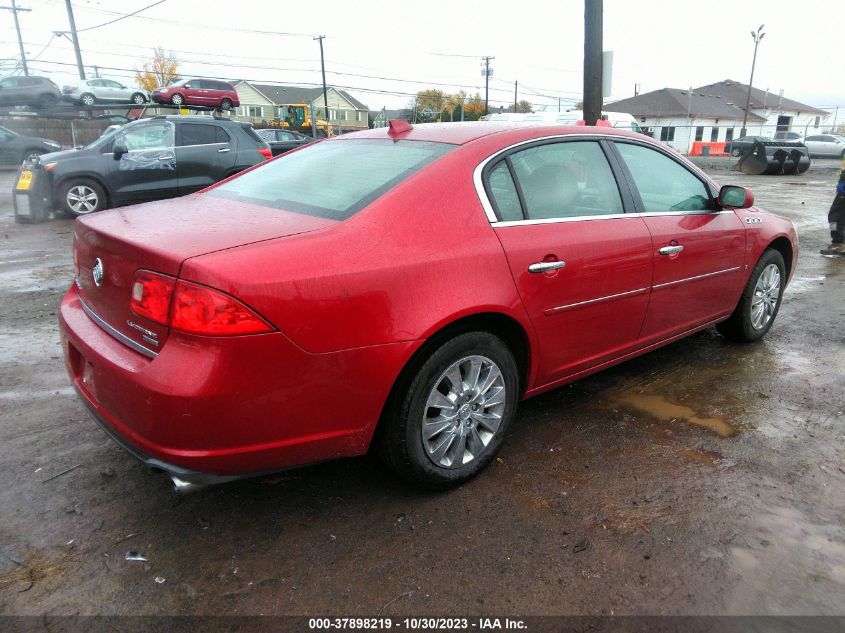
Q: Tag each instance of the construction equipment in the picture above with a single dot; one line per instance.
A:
(296, 117)
(774, 157)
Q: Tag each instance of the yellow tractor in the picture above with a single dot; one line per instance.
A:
(296, 117)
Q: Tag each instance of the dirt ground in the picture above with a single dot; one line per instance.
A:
(703, 478)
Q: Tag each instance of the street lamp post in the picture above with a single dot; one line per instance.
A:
(757, 36)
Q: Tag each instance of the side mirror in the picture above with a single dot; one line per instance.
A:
(734, 197)
(119, 150)
(188, 86)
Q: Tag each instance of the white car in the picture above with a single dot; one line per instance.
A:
(825, 145)
(92, 91)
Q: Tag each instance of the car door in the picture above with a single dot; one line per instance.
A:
(582, 266)
(148, 169)
(204, 155)
(698, 248)
(815, 145)
(10, 150)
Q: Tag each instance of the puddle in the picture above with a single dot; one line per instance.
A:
(710, 459)
(662, 409)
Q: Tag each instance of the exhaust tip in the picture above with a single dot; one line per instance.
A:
(185, 487)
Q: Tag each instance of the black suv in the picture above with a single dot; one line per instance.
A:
(148, 159)
(16, 148)
(36, 92)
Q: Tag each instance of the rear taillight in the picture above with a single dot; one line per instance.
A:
(192, 308)
(266, 152)
(202, 310)
(151, 294)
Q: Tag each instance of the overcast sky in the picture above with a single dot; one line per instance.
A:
(383, 52)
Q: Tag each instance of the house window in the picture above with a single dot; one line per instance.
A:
(358, 116)
(729, 134)
(344, 115)
(699, 133)
(333, 115)
(256, 111)
(817, 122)
(714, 134)
(667, 133)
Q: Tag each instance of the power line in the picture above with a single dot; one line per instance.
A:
(122, 17)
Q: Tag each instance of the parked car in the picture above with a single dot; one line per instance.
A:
(198, 92)
(825, 146)
(36, 92)
(148, 159)
(403, 287)
(89, 92)
(745, 143)
(788, 136)
(16, 148)
(281, 141)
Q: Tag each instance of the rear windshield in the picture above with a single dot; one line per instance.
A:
(332, 179)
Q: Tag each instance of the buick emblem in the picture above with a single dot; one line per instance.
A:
(97, 272)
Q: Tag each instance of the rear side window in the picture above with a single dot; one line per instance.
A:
(566, 179)
(333, 179)
(251, 133)
(221, 135)
(503, 193)
(197, 134)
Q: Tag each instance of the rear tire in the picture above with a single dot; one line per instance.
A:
(439, 434)
(138, 99)
(81, 196)
(760, 300)
(226, 104)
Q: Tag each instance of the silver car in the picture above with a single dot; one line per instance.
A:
(92, 91)
(825, 145)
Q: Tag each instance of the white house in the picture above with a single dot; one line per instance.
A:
(714, 114)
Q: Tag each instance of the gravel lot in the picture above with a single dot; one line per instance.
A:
(703, 478)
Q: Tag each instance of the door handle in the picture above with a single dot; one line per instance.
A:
(671, 250)
(544, 267)
(223, 150)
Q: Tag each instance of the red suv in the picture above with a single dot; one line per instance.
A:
(198, 92)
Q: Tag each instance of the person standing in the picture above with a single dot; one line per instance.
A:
(836, 218)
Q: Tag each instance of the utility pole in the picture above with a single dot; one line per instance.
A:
(14, 9)
(325, 90)
(514, 96)
(75, 39)
(757, 36)
(593, 16)
(486, 71)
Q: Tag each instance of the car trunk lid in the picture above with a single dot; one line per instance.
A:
(111, 247)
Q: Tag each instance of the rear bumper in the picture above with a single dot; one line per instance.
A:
(209, 409)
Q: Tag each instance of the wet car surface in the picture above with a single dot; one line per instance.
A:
(705, 477)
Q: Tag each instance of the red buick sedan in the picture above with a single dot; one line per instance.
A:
(402, 288)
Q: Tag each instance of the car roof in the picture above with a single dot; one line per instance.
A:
(191, 118)
(461, 133)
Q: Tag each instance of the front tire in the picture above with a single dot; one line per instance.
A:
(760, 300)
(87, 99)
(449, 423)
(177, 99)
(81, 196)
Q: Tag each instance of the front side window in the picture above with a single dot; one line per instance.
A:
(310, 182)
(159, 135)
(567, 179)
(664, 185)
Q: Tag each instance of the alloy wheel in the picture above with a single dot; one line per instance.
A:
(88, 100)
(463, 411)
(764, 302)
(81, 199)
(138, 99)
